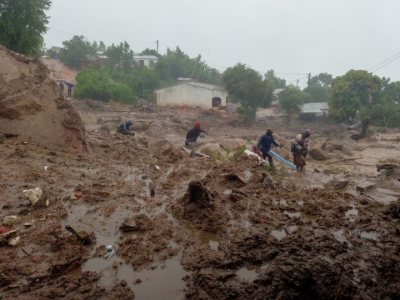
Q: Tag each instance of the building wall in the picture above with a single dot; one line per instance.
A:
(189, 95)
(145, 62)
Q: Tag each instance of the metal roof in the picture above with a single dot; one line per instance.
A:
(277, 91)
(206, 86)
(138, 57)
(198, 84)
(315, 107)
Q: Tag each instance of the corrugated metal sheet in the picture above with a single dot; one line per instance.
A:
(315, 107)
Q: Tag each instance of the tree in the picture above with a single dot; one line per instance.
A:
(22, 24)
(386, 110)
(291, 99)
(247, 85)
(95, 83)
(75, 51)
(153, 52)
(319, 87)
(121, 56)
(351, 92)
(102, 47)
(177, 64)
(271, 84)
(278, 83)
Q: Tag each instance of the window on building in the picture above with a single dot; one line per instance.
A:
(151, 62)
(141, 62)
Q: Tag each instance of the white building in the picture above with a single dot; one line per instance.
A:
(192, 94)
(311, 110)
(145, 60)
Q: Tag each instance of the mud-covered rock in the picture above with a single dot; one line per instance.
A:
(162, 147)
(140, 223)
(317, 154)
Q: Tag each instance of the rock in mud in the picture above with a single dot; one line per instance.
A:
(140, 223)
(162, 147)
(33, 108)
(317, 154)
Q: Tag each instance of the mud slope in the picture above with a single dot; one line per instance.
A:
(32, 107)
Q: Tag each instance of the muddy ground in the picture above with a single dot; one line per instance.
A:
(183, 231)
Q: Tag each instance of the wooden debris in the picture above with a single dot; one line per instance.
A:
(233, 176)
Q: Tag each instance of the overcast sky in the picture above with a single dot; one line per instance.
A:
(289, 36)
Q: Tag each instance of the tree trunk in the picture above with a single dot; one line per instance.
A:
(364, 126)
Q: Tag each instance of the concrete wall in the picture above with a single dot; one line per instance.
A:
(190, 95)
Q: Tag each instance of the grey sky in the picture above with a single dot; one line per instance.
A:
(289, 36)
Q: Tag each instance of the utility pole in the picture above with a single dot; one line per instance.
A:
(157, 46)
(309, 79)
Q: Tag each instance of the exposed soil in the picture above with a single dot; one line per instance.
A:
(183, 231)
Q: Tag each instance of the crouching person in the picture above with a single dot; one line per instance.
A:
(124, 128)
(264, 145)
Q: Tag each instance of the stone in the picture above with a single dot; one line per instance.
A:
(365, 185)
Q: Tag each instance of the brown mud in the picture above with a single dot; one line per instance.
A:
(183, 231)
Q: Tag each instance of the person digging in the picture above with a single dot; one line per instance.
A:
(191, 137)
(124, 128)
(299, 149)
(264, 145)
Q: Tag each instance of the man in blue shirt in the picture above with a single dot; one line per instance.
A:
(264, 144)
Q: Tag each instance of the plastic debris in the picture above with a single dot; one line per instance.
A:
(33, 194)
(110, 251)
(14, 241)
(10, 220)
(47, 202)
(45, 168)
(157, 167)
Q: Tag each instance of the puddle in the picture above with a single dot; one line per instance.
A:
(278, 234)
(211, 239)
(227, 192)
(296, 214)
(338, 234)
(311, 217)
(292, 228)
(248, 273)
(164, 282)
(370, 235)
(351, 214)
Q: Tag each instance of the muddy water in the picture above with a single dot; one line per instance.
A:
(210, 239)
(278, 234)
(163, 282)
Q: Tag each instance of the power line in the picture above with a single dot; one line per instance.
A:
(384, 61)
(387, 63)
(291, 73)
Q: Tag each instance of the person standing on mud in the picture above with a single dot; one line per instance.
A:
(300, 148)
(192, 135)
(264, 145)
(62, 87)
(69, 91)
(124, 128)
